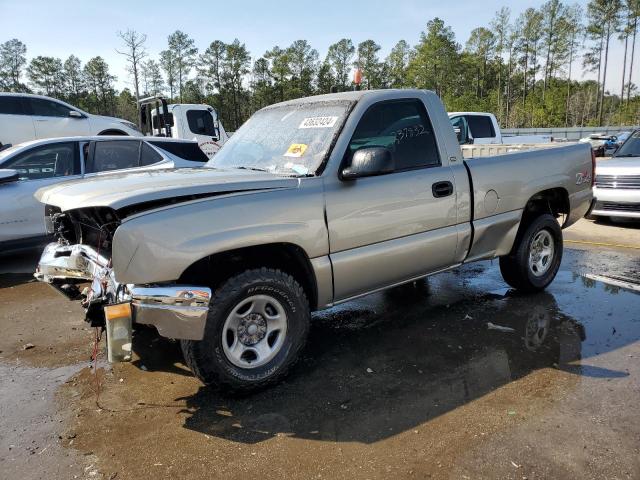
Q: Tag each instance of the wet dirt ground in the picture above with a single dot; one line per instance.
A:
(457, 377)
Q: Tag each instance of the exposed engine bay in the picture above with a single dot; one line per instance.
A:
(77, 229)
(93, 226)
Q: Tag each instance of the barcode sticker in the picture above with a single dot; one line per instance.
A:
(318, 122)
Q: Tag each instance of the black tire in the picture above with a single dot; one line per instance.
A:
(515, 267)
(207, 358)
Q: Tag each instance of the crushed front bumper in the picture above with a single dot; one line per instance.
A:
(177, 311)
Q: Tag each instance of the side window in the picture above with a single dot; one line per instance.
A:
(113, 155)
(148, 156)
(11, 105)
(201, 122)
(48, 108)
(481, 126)
(47, 161)
(401, 126)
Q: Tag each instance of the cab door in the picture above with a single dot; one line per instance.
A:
(52, 119)
(390, 228)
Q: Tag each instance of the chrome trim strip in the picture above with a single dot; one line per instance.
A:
(177, 311)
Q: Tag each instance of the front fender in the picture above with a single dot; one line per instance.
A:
(158, 246)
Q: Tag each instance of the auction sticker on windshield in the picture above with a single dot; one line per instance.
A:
(318, 122)
(296, 150)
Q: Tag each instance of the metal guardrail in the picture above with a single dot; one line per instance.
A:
(570, 133)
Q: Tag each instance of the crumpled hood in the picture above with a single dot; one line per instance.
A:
(123, 190)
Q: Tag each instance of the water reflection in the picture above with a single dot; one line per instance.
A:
(391, 362)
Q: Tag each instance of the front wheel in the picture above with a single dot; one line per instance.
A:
(257, 324)
(535, 259)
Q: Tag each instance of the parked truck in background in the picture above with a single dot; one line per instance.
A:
(482, 128)
(312, 202)
(189, 121)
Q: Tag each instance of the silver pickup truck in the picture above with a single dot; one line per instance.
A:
(312, 202)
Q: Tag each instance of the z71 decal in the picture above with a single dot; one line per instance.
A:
(583, 177)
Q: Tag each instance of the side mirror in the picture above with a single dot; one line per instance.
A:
(368, 162)
(74, 114)
(462, 133)
(8, 175)
(458, 131)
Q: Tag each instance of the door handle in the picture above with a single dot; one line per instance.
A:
(442, 189)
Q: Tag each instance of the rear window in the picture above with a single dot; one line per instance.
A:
(10, 105)
(114, 155)
(201, 122)
(481, 126)
(148, 156)
(185, 150)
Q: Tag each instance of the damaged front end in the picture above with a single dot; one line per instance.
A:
(79, 266)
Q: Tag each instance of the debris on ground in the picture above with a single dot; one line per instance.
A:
(500, 328)
(369, 370)
(28, 346)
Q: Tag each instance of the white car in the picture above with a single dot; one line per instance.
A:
(32, 165)
(25, 117)
(617, 182)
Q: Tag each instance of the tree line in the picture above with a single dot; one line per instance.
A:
(521, 68)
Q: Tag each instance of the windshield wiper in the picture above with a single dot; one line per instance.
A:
(255, 169)
(628, 155)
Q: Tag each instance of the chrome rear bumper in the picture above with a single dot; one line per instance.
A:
(177, 311)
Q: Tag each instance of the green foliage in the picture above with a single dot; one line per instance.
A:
(340, 57)
(12, 60)
(522, 69)
(101, 93)
(369, 64)
(182, 57)
(46, 74)
(436, 59)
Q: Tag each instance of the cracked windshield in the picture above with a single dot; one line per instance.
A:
(289, 140)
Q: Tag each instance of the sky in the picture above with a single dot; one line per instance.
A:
(89, 28)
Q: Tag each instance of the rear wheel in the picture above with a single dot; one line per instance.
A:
(257, 324)
(535, 259)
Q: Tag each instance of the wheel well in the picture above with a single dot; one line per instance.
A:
(215, 269)
(554, 201)
(113, 132)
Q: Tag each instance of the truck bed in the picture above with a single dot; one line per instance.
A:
(499, 197)
(489, 150)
